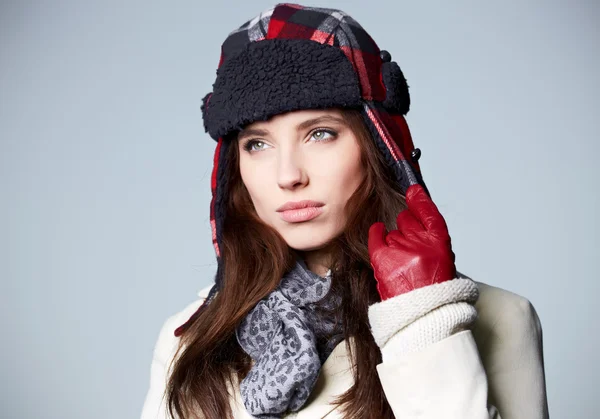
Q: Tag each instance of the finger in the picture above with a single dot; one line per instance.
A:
(394, 237)
(377, 235)
(425, 210)
(408, 224)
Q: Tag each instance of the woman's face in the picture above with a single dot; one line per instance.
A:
(307, 155)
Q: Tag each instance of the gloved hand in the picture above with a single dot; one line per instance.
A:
(417, 254)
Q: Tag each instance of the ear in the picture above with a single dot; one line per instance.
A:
(397, 98)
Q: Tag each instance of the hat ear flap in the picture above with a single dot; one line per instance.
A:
(204, 109)
(397, 98)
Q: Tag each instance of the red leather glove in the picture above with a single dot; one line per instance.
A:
(417, 254)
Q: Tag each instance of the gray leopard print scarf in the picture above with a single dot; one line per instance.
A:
(289, 335)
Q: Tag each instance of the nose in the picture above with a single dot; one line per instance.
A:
(291, 173)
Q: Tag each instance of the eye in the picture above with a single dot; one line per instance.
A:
(249, 145)
(323, 134)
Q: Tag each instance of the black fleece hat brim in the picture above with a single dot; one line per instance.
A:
(275, 76)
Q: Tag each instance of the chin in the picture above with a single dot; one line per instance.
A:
(305, 240)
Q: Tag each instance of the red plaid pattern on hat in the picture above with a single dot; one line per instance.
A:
(325, 26)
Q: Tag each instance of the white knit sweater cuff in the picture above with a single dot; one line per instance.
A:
(433, 327)
(426, 314)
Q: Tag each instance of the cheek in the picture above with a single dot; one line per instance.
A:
(342, 171)
(353, 171)
(254, 181)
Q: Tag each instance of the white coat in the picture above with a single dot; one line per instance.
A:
(493, 371)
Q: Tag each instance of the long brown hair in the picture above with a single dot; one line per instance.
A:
(255, 259)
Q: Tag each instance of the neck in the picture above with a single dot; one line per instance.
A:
(317, 261)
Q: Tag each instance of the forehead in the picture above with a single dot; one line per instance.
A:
(294, 118)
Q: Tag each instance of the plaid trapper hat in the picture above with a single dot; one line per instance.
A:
(293, 57)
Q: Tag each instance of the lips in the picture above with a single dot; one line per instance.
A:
(296, 212)
(299, 205)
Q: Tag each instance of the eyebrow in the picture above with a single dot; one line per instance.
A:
(257, 132)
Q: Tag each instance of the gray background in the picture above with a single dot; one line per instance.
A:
(105, 177)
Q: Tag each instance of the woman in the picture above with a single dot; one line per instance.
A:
(336, 292)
